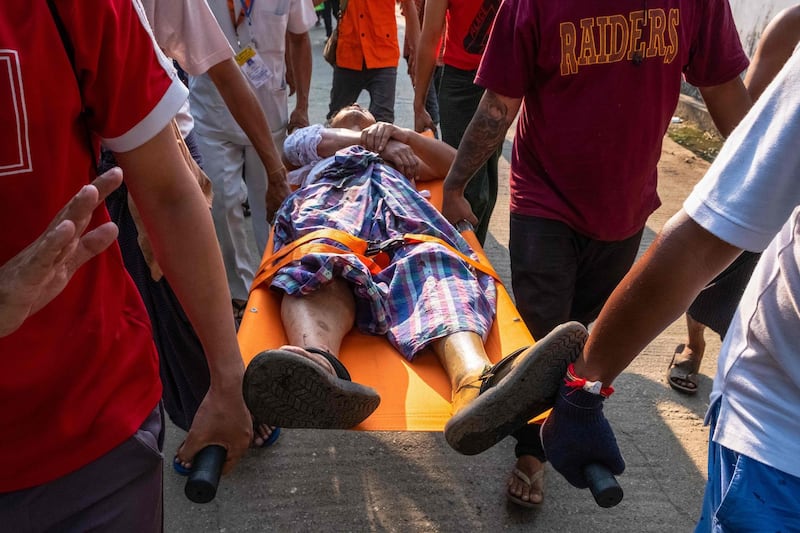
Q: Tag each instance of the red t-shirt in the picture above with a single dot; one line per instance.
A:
(468, 25)
(81, 375)
(589, 133)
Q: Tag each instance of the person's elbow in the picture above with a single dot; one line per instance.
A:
(499, 107)
(298, 40)
(223, 73)
(707, 253)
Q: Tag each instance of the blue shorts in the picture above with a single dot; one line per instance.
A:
(745, 495)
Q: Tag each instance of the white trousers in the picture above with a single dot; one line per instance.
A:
(230, 161)
(229, 165)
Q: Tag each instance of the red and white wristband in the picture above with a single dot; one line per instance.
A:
(595, 387)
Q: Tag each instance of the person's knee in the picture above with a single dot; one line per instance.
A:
(337, 290)
(334, 298)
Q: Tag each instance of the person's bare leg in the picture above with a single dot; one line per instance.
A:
(295, 387)
(320, 320)
(696, 346)
(464, 359)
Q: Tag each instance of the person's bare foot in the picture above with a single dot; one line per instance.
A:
(526, 483)
(262, 434)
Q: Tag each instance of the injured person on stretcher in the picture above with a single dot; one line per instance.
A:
(357, 245)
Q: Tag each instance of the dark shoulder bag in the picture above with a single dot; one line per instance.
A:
(329, 51)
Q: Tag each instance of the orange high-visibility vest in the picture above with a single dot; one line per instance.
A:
(368, 35)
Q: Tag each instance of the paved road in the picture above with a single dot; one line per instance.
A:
(401, 481)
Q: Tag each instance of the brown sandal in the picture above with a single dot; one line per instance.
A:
(685, 371)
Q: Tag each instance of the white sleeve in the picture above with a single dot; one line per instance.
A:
(188, 32)
(754, 184)
(301, 16)
(300, 147)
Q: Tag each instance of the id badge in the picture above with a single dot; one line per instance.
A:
(253, 66)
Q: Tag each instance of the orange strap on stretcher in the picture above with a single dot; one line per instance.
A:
(371, 254)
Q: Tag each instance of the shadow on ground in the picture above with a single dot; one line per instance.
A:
(399, 481)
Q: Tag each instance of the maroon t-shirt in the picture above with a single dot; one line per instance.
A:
(599, 84)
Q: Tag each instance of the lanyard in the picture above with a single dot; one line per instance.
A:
(245, 12)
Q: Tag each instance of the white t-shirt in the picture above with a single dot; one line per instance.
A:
(265, 29)
(188, 33)
(750, 194)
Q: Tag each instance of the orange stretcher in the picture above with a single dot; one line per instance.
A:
(414, 396)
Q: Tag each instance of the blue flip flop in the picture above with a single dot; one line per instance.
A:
(179, 468)
(183, 471)
(272, 438)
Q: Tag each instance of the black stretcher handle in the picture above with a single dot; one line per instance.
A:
(201, 487)
(603, 484)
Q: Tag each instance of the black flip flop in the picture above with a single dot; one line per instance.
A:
(282, 388)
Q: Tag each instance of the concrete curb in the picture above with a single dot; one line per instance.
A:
(690, 108)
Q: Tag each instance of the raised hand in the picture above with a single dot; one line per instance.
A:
(35, 276)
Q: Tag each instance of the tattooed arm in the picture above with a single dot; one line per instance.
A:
(484, 134)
